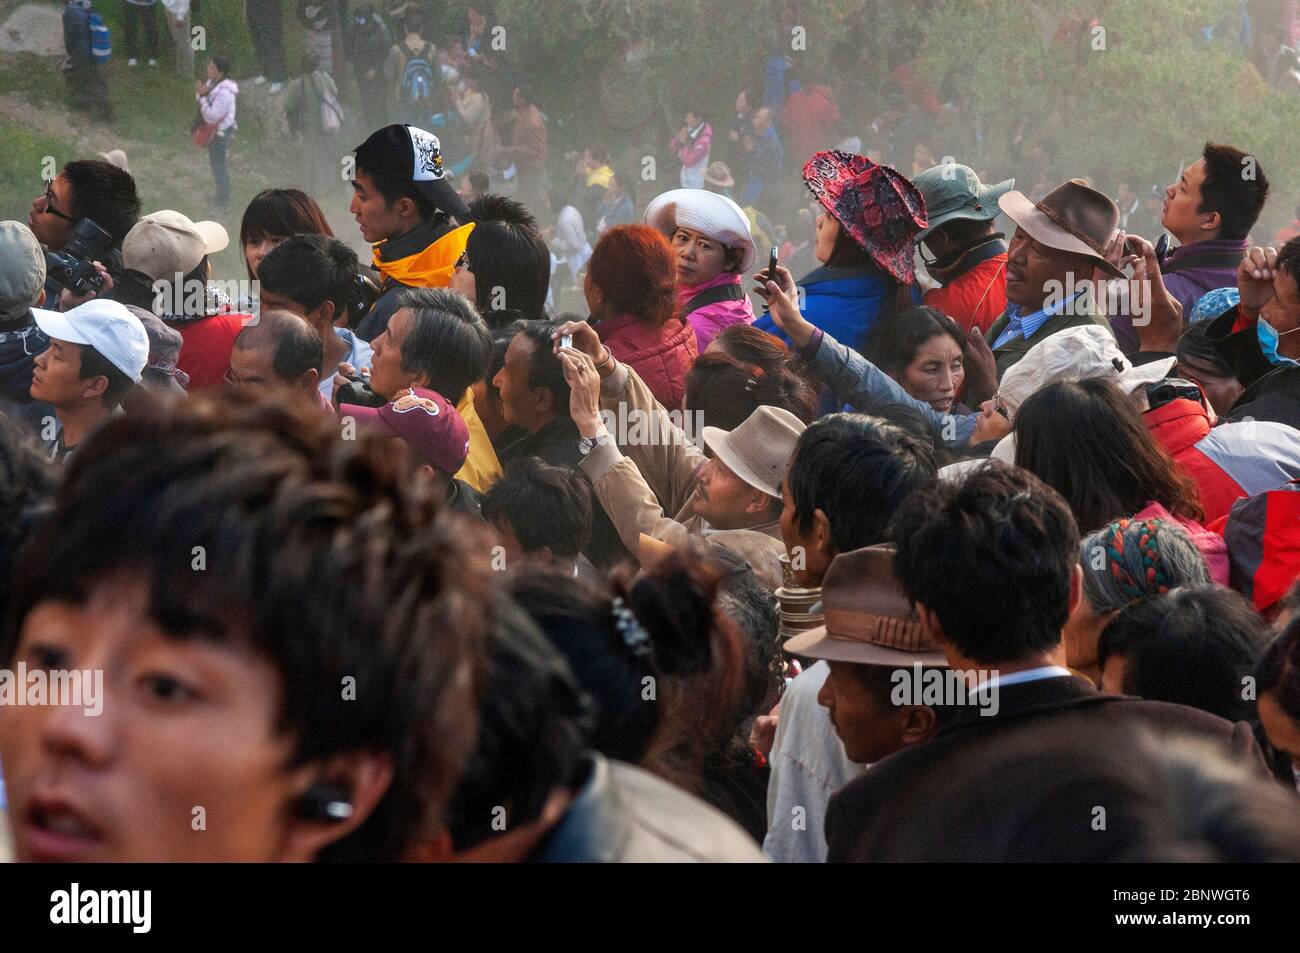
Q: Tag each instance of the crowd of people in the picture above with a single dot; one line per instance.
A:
(894, 538)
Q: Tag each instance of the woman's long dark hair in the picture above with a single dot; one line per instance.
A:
(1087, 441)
(893, 341)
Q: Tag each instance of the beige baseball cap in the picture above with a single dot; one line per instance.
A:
(165, 243)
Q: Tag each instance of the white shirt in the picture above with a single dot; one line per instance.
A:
(808, 765)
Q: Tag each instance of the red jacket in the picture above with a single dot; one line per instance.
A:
(660, 356)
(1263, 534)
(1227, 462)
(977, 298)
(205, 353)
(808, 119)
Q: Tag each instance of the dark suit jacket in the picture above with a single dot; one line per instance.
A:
(868, 819)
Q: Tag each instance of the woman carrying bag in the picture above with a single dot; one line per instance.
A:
(216, 97)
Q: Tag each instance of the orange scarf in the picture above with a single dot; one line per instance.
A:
(431, 267)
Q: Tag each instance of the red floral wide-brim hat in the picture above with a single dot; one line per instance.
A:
(876, 204)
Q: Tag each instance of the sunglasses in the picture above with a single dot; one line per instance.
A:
(50, 206)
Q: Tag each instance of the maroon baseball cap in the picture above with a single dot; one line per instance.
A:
(425, 420)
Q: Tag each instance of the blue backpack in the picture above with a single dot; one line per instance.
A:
(418, 79)
(101, 41)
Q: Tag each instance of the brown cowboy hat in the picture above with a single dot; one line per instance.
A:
(1072, 217)
(869, 619)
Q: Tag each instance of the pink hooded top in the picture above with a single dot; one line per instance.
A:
(712, 319)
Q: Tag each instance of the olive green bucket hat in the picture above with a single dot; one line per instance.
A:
(954, 191)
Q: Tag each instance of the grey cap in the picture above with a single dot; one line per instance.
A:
(22, 270)
(161, 372)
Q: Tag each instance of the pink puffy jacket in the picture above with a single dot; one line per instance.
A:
(661, 356)
(712, 319)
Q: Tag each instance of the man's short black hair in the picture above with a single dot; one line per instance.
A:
(544, 368)
(1191, 646)
(94, 364)
(544, 506)
(310, 270)
(104, 194)
(991, 556)
(857, 470)
(322, 557)
(509, 259)
(479, 181)
(448, 341)
(1234, 186)
(295, 346)
(28, 481)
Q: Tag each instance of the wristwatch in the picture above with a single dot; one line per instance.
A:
(588, 444)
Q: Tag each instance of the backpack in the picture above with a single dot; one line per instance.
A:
(101, 40)
(418, 78)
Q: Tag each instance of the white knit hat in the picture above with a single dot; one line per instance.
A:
(708, 213)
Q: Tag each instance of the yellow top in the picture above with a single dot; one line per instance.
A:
(602, 175)
(481, 467)
(431, 267)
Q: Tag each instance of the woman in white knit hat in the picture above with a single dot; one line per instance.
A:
(714, 248)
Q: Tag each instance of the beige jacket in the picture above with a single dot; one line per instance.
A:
(658, 476)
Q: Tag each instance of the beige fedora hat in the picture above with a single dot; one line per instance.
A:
(759, 450)
(869, 619)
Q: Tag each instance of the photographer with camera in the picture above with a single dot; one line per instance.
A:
(315, 277)
(81, 218)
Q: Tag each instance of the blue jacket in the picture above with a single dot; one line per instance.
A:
(764, 168)
(843, 302)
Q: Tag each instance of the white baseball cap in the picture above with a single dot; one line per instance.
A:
(1075, 354)
(106, 326)
(163, 244)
